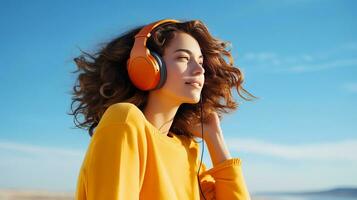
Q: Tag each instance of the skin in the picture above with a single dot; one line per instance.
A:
(163, 103)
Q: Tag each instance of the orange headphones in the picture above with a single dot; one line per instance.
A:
(146, 69)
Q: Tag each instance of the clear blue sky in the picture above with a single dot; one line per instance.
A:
(298, 56)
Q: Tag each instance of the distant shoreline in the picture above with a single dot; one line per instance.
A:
(337, 192)
(34, 194)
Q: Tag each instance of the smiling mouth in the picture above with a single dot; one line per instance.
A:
(197, 85)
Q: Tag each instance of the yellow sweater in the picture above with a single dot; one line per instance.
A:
(127, 158)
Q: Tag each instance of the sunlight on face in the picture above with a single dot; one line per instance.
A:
(183, 59)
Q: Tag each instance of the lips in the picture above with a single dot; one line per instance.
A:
(194, 83)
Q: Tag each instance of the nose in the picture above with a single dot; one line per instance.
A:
(198, 69)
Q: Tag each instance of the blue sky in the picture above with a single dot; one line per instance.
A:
(298, 56)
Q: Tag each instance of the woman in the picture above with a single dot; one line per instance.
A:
(144, 97)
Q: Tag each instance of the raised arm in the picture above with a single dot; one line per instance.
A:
(226, 176)
(225, 180)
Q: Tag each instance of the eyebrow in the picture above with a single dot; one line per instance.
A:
(187, 51)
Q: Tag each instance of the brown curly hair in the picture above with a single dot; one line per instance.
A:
(103, 79)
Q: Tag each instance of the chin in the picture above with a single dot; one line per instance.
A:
(190, 98)
(193, 100)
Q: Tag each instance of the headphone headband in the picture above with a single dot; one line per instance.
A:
(143, 35)
(145, 32)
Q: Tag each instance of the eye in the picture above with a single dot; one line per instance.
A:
(183, 57)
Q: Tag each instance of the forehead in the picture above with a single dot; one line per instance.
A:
(183, 41)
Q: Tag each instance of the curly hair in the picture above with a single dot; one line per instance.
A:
(103, 79)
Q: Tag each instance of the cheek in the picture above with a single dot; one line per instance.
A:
(174, 73)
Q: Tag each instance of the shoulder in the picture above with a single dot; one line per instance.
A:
(123, 112)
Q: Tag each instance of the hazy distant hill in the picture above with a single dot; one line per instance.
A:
(337, 192)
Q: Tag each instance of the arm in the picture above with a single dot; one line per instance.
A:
(217, 148)
(226, 173)
(225, 180)
(116, 164)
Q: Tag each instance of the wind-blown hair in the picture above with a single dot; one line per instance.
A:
(103, 79)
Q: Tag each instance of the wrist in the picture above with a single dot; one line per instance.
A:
(218, 149)
(213, 137)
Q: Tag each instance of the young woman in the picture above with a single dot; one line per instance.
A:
(145, 97)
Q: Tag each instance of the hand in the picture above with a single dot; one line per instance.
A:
(211, 127)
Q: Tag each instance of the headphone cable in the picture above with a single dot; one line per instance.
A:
(202, 143)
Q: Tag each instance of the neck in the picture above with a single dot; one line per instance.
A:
(160, 111)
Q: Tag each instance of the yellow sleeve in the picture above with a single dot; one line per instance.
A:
(224, 181)
(116, 162)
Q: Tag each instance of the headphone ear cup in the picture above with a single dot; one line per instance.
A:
(163, 70)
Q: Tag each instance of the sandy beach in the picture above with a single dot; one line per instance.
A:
(10, 194)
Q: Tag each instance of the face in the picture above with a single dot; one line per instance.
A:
(185, 73)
